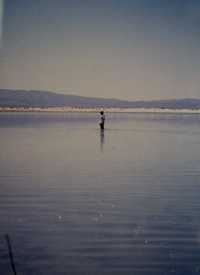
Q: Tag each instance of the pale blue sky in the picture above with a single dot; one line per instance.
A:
(129, 49)
(1, 20)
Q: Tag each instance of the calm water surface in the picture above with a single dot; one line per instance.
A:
(75, 200)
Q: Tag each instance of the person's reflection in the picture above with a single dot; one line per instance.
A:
(102, 139)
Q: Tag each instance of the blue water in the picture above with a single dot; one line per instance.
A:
(75, 200)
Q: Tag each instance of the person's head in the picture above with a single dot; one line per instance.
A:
(102, 112)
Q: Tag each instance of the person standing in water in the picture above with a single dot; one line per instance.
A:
(102, 120)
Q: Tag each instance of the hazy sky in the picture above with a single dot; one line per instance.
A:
(129, 49)
(1, 19)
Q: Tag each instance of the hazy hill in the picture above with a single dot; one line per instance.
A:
(43, 99)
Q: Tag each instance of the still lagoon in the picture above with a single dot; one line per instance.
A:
(76, 200)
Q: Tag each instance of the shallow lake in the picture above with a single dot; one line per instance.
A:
(75, 200)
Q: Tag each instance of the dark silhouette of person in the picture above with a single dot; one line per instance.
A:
(102, 120)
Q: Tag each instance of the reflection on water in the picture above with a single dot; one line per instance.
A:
(102, 139)
(71, 209)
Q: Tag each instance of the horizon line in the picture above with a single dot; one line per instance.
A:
(99, 97)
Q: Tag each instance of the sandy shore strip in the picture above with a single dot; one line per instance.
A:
(95, 110)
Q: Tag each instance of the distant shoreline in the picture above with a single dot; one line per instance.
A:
(95, 110)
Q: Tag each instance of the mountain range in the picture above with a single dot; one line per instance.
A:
(45, 99)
